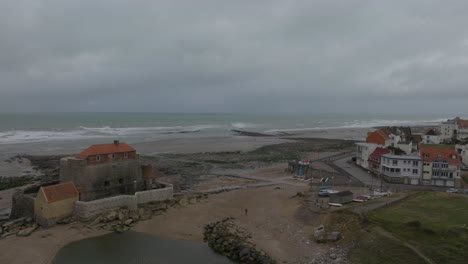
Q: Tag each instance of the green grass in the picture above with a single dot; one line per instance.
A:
(442, 234)
(374, 248)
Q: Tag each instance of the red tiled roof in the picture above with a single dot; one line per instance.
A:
(102, 149)
(463, 123)
(429, 153)
(378, 152)
(61, 191)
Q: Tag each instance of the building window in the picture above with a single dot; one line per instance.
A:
(395, 162)
(415, 171)
(415, 163)
(98, 157)
(113, 156)
(106, 184)
(120, 181)
(125, 155)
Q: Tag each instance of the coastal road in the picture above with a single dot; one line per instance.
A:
(356, 172)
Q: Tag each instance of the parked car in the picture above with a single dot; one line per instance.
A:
(452, 190)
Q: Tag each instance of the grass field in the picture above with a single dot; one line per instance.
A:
(374, 248)
(435, 223)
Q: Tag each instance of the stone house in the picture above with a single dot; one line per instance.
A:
(103, 170)
(55, 202)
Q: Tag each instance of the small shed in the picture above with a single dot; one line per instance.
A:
(341, 197)
(55, 202)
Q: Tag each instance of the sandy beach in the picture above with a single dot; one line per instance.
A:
(278, 223)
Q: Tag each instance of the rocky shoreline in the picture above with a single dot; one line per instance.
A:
(227, 239)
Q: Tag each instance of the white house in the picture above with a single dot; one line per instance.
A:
(463, 151)
(441, 165)
(363, 151)
(406, 169)
(448, 129)
(431, 136)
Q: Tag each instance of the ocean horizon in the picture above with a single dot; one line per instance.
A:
(19, 128)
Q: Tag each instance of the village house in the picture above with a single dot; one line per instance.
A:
(441, 165)
(55, 202)
(406, 169)
(104, 170)
(431, 136)
(375, 158)
(462, 132)
(448, 129)
(463, 152)
(363, 151)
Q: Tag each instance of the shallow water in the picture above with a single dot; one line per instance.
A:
(134, 247)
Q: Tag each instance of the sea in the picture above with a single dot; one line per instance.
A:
(55, 131)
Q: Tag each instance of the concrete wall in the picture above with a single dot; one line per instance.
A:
(154, 195)
(87, 210)
(102, 180)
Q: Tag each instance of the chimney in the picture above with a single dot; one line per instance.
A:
(116, 142)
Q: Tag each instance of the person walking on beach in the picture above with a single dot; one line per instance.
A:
(246, 211)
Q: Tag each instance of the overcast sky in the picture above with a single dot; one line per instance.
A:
(234, 56)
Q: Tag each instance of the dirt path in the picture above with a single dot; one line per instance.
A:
(387, 234)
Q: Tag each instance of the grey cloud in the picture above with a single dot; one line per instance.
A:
(231, 56)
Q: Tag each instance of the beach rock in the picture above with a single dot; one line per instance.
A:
(122, 216)
(27, 231)
(145, 217)
(334, 236)
(64, 221)
(128, 222)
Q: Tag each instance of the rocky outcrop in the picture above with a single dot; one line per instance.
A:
(321, 236)
(225, 238)
(21, 227)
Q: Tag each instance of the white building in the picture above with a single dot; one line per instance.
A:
(441, 165)
(431, 136)
(463, 151)
(448, 129)
(363, 151)
(462, 132)
(406, 169)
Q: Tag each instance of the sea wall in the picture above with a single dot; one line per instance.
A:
(87, 210)
(155, 195)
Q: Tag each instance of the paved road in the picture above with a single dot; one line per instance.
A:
(356, 172)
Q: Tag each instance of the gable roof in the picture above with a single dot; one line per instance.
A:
(371, 136)
(431, 132)
(61, 191)
(378, 152)
(102, 149)
(429, 153)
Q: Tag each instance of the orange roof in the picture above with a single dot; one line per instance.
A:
(61, 191)
(102, 149)
(429, 153)
(462, 123)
